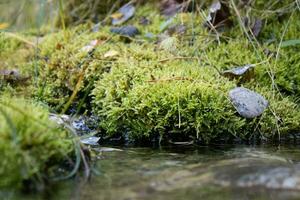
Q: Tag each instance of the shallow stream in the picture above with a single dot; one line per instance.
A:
(217, 172)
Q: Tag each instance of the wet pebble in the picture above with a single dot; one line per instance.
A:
(277, 178)
(248, 104)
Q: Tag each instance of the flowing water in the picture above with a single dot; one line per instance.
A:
(218, 172)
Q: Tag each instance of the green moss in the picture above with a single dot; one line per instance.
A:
(180, 99)
(15, 55)
(31, 146)
(7, 45)
(12, 52)
(281, 72)
(63, 61)
(150, 89)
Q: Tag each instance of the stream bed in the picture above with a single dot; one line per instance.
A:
(217, 172)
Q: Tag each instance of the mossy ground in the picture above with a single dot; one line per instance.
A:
(161, 85)
(173, 88)
(31, 146)
(182, 98)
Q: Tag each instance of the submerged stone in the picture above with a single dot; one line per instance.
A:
(277, 178)
(249, 104)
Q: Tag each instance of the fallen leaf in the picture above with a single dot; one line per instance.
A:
(169, 7)
(59, 46)
(215, 6)
(90, 46)
(117, 16)
(123, 14)
(248, 104)
(111, 54)
(4, 26)
(257, 27)
(218, 16)
(129, 31)
(246, 72)
(254, 25)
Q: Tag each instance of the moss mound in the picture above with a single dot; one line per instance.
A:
(31, 146)
(15, 67)
(181, 99)
(65, 67)
(174, 87)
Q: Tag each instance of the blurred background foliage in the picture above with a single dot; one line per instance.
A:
(25, 14)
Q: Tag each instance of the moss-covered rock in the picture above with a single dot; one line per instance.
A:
(31, 146)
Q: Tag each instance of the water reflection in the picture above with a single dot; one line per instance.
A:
(213, 173)
(227, 172)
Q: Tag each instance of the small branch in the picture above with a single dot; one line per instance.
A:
(87, 170)
(81, 77)
(178, 58)
(171, 79)
(15, 36)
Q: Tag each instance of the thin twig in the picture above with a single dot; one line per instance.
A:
(81, 78)
(15, 36)
(87, 170)
(170, 79)
(177, 58)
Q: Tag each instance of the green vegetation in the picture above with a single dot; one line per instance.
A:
(63, 62)
(172, 89)
(31, 146)
(181, 99)
(164, 84)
